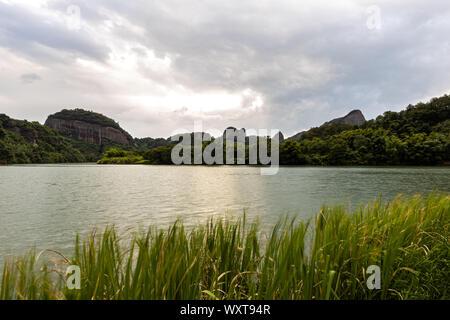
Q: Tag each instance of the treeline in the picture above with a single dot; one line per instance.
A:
(117, 156)
(31, 142)
(368, 146)
(149, 143)
(419, 135)
(23, 142)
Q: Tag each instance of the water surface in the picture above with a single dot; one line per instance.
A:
(46, 205)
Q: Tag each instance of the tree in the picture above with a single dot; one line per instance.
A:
(291, 153)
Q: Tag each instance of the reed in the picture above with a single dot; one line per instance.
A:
(324, 258)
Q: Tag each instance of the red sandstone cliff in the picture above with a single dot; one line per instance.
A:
(87, 132)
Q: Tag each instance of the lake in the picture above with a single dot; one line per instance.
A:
(46, 205)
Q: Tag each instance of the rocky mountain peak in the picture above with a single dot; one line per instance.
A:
(88, 126)
(353, 118)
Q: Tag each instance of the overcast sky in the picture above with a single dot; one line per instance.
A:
(156, 66)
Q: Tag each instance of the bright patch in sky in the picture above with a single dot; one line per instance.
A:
(158, 66)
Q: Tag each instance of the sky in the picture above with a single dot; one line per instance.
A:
(157, 67)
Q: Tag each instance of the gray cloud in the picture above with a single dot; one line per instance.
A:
(33, 34)
(308, 61)
(29, 77)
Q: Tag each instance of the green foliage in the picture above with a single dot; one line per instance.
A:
(159, 155)
(116, 156)
(419, 135)
(420, 118)
(291, 153)
(150, 143)
(325, 258)
(30, 142)
(325, 131)
(115, 153)
(378, 147)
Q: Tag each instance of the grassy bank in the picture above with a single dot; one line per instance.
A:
(325, 258)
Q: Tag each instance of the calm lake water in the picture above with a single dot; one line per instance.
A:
(46, 205)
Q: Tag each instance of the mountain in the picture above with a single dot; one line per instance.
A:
(353, 118)
(68, 136)
(418, 135)
(88, 126)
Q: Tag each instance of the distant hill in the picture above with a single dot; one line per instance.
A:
(88, 126)
(75, 135)
(353, 118)
(418, 135)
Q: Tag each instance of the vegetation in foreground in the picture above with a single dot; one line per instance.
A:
(327, 259)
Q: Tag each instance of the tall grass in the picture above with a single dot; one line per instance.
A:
(324, 258)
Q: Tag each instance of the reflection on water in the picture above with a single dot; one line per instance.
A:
(46, 205)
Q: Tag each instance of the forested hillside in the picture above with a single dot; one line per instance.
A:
(31, 142)
(418, 135)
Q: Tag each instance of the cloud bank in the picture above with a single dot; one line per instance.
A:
(156, 66)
